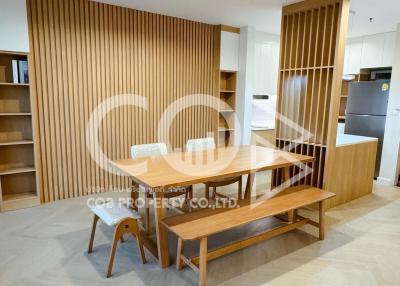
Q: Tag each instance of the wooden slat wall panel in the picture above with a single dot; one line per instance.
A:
(86, 52)
(311, 64)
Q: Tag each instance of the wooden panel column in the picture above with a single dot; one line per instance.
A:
(311, 63)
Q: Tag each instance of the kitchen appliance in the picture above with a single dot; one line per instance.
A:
(366, 111)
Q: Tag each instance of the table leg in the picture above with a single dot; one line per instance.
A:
(321, 221)
(249, 185)
(286, 177)
(203, 262)
(162, 234)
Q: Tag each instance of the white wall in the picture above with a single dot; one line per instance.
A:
(14, 26)
(266, 63)
(245, 82)
(390, 152)
(258, 74)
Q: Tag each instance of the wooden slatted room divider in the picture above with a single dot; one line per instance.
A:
(311, 63)
(83, 53)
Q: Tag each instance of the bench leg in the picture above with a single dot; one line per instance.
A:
(179, 252)
(321, 221)
(203, 262)
(95, 220)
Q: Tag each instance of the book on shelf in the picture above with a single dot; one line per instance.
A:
(15, 71)
(23, 71)
(20, 71)
(2, 74)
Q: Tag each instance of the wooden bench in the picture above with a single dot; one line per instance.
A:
(200, 225)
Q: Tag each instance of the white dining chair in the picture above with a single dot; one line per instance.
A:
(202, 144)
(124, 220)
(155, 150)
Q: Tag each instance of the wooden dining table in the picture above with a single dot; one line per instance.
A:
(181, 169)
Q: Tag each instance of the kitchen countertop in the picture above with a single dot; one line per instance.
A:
(262, 128)
(346, 139)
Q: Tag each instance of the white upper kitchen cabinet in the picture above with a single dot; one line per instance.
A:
(389, 49)
(378, 50)
(229, 51)
(353, 53)
(372, 51)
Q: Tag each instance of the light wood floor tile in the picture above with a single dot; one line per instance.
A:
(47, 246)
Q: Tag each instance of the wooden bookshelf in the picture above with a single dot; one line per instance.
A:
(18, 178)
(227, 108)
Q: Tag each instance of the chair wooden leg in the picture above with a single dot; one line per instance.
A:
(240, 195)
(207, 192)
(214, 192)
(112, 251)
(190, 193)
(295, 215)
(139, 242)
(189, 198)
(128, 225)
(94, 224)
(203, 262)
(179, 252)
(290, 216)
(134, 195)
(321, 221)
(147, 215)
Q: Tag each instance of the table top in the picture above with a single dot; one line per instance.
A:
(188, 168)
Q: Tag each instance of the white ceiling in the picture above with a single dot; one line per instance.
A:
(386, 14)
(265, 15)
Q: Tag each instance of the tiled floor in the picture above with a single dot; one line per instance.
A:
(47, 246)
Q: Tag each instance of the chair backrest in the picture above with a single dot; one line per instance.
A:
(148, 150)
(200, 144)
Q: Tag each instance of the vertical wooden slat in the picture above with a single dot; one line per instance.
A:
(34, 108)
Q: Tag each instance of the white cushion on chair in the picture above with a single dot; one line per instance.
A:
(148, 150)
(200, 144)
(113, 213)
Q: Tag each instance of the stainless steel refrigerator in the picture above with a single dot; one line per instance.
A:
(366, 111)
